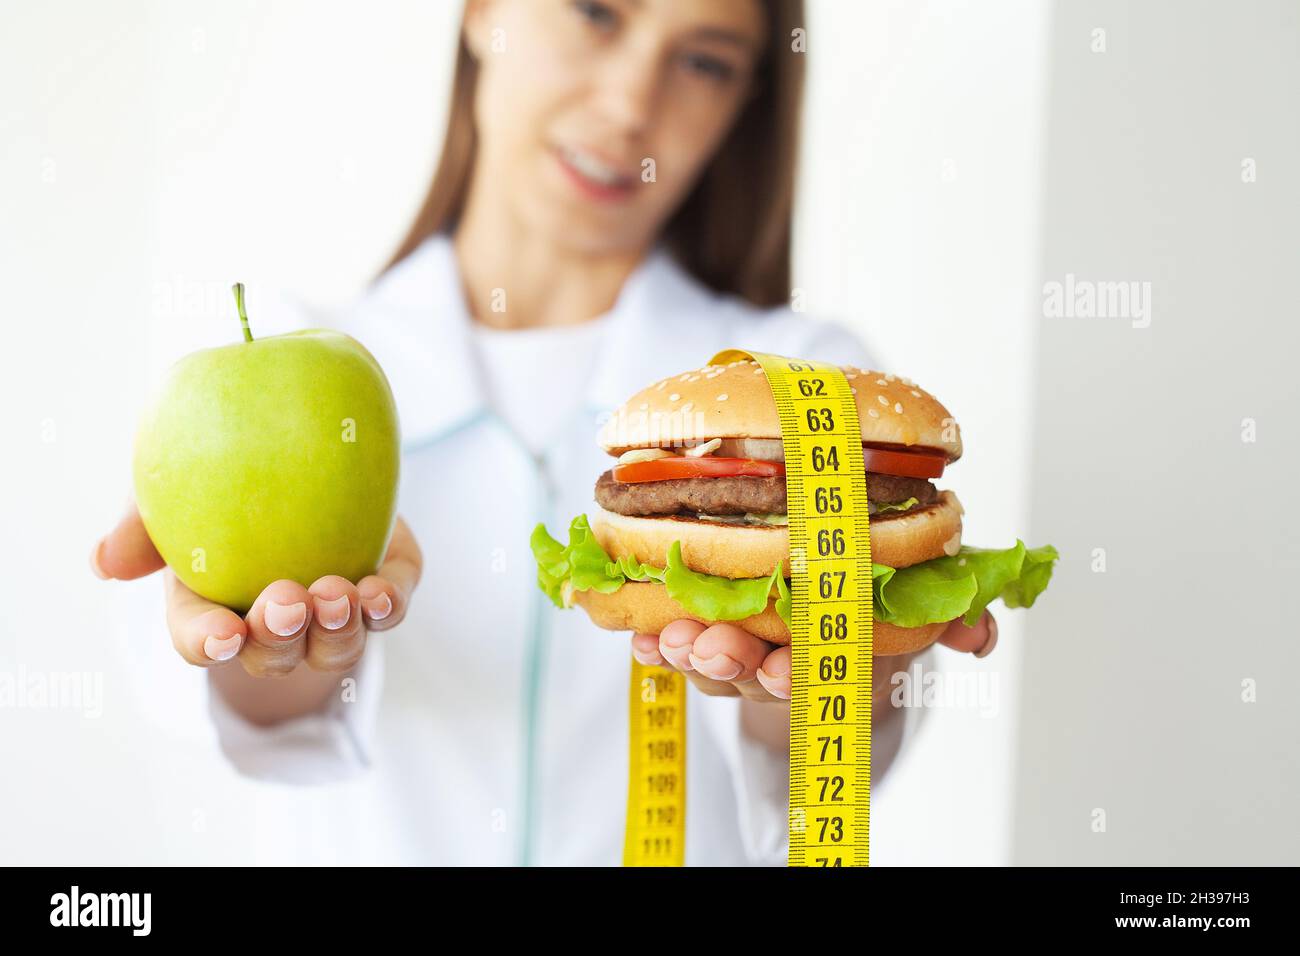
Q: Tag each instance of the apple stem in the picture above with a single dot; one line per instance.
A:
(238, 289)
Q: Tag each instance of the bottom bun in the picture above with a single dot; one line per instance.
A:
(647, 609)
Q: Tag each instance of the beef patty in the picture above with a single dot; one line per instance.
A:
(736, 496)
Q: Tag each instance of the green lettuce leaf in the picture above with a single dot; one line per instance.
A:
(961, 585)
(899, 506)
(634, 570)
(552, 564)
(584, 565)
(713, 597)
(910, 597)
(783, 599)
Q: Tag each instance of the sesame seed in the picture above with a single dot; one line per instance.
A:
(889, 376)
(693, 378)
(898, 407)
(687, 407)
(873, 413)
(673, 397)
(758, 371)
(853, 389)
(916, 393)
(881, 381)
(722, 397)
(882, 400)
(684, 377)
(661, 385)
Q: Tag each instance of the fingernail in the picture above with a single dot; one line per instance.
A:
(992, 642)
(378, 608)
(719, 667)
(285, 620)
(222, 648)
(781, 662)
(679, 657)
(333, 614)
(94, 561)
(648, 658)
(770, 684)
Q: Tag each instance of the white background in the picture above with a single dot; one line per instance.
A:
(152, 152)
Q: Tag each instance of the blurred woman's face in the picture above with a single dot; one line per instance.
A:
(595, 117)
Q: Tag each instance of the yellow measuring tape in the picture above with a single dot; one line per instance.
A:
(655, 834)
(831, 642)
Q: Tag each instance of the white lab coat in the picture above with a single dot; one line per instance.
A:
(491, 727)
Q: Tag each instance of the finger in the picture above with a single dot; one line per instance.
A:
(675, 643)
(645, 648)
(336, 636)
(386, 594)
(774, 674)
(753, 690)
(277, 630)
(202, 632)
(979, 640)
(726, 652)
(125, 552)
(711, 687)
(381, 605)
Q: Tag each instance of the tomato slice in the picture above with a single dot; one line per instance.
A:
(666, 469)
(903, 464)
(883, 461)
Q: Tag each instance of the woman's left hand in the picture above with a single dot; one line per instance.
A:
(722, 659)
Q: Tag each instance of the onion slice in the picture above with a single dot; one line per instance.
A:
(708, 448)
(643, 454)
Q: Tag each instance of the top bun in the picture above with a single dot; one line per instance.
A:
(735, 401)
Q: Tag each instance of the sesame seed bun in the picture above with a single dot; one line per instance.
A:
(646, 608)
(735, 401)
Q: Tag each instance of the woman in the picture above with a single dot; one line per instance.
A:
(612, 205)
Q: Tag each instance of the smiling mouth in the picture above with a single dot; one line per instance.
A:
(593, 176)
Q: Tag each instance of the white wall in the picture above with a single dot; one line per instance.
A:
(1161, 715)
(920, 197)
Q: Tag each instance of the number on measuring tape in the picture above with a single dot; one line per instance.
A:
(830, 620)
(655, 830)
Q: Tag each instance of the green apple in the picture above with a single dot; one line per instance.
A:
(269, 459)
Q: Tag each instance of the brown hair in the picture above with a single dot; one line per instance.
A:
(733, 231)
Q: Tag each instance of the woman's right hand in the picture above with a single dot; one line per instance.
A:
(323, 625)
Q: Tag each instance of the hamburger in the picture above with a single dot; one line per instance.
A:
(690, 519)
